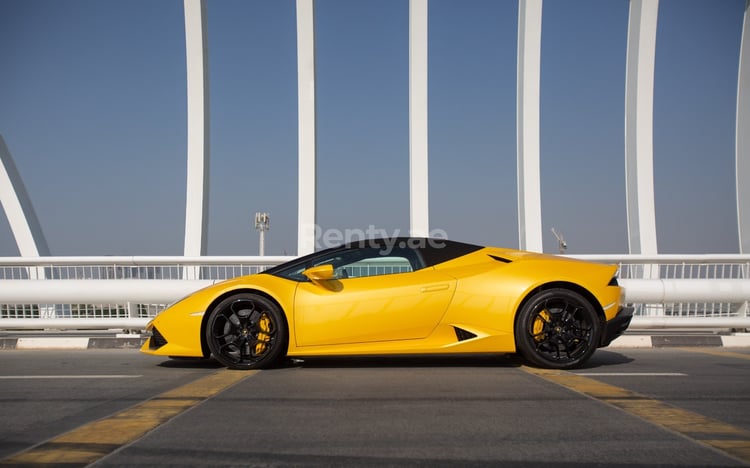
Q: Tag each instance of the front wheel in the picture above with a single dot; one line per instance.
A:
(557, 329)
(246, 331)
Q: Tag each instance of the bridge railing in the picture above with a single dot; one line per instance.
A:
(126, 292)
(684, 290)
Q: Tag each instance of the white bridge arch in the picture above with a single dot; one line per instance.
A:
(638, 119)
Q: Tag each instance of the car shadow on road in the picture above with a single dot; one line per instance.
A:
(444, 361)
(600, 359)
(191, 363)
(603, 358)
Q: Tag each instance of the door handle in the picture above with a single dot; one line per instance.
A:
(434, 288)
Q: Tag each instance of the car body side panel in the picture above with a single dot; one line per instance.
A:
(441, 341)
(404, 306)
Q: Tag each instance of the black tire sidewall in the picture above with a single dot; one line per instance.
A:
(281, 339)
(525, 342)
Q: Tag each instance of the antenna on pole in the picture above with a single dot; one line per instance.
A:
(262, 221)
(562, 246)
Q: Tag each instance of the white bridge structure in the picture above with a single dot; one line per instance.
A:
(697, 291)
(41, 291)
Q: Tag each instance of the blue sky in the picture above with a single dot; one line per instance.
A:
(93, 109)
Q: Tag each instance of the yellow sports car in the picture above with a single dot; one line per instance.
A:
(400, 296)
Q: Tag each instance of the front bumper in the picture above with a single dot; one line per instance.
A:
(617, 325)
(174, 336)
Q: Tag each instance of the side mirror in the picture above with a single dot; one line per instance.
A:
(319, 273)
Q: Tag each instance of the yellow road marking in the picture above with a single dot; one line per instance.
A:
(90, 442)
(717, 352)
(729, 439)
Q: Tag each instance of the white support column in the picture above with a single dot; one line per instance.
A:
(18, 208)
(307, 197)
(743, 136)
(527, 123)
(639, 116)
(419, 204)
(196, 202)
(22, 219)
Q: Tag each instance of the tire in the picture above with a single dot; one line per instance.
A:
(247, 331)
(557, 329)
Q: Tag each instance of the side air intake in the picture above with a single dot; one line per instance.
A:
(463, 335)
(157, 339)
(500, 259)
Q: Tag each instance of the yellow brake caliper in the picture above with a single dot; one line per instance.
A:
(538, 327)
(264, 335)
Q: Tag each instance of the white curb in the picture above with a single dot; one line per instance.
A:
(631, 341)
(53, 343)
(736, 340)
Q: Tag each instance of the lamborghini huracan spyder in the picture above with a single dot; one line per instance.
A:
(400, 296)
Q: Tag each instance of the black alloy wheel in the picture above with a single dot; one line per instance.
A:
(246, 331)
(558, 329)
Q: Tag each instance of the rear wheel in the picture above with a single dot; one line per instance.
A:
(246, 331)
(558, 329)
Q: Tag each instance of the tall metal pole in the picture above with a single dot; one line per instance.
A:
(419, 206)
(639, 118)
(196, 202)
(527, 122)
(262, 224)
(306, 177)
(742, 156)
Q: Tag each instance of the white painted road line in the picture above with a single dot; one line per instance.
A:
(630, 374)
(62, 377)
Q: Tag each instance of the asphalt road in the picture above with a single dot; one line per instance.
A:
(665, 407)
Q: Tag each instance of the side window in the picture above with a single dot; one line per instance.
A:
(357, 262)
(374, 267)
(376, 261)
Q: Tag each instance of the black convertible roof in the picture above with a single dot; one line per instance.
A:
(433, 251)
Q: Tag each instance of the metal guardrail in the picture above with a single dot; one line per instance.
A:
(125, 292)
(706, 290)
(107, 292)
